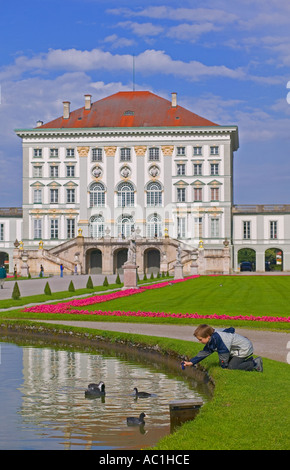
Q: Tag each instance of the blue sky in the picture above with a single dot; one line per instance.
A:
(228, 62)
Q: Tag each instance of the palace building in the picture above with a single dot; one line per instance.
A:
(132, 163)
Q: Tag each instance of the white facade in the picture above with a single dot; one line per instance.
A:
(174, 181)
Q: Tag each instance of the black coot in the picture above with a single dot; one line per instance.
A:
(131, 421)
(95, 390)
(141, 394)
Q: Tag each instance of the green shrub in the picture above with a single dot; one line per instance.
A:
(71, 287)
(105, 283)
(118, 280)
(16, 292)
(90, 283)
(152, 276)
(145, 277)
(47, 290)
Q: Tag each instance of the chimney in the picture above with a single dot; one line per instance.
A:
(66, 110)
(173, 100)
(39, 123)
(88, 103)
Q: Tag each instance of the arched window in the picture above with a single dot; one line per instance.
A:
(154, 194)
(125, 226)
(125, 195)
(97, 226)
(154, 226)
(97, 195)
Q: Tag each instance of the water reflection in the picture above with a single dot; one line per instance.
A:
(48, 408)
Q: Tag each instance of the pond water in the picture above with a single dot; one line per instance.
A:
(43, 404)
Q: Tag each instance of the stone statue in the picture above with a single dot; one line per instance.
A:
(178, 254)
(132, 249)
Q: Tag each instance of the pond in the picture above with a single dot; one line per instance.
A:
(43, 404)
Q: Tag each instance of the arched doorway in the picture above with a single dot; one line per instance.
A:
(95, 263)
(247, 255)
(152, 261)
(4, 260)
(120, 257)
(273, 259)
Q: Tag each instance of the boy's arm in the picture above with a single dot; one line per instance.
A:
(206, 351)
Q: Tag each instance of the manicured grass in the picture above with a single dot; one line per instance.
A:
(257, 295)
(249, 410)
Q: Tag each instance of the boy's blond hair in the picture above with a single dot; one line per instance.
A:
(203, 331)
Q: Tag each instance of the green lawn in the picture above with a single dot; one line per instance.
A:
(230, 295)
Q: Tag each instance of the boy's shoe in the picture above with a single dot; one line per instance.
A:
(258, 364)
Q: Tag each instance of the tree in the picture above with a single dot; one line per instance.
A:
(105, 283)
(16, 292)
(118, 280)
(90, 283)
(47, 290)
(71, 287)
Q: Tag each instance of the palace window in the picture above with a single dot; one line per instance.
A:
(198, 227)
(180, 169)
(125, 226)
(97, 155)
(37, 196)
(153, 153)
(54, 196)
(70, 196)
(181, 194)
(97, 195)
(125, 155)
(246, 230)
(37, 172)
(214, 194)
(154, 226)
(53, 171)
(53, 153)
(197, 151)
(37, 153)
(37, 228)
(97, 226)
(154, 194)
(70, 171)
(214, 150)
(273, 229)
(70, 152)
(197, 194)
(181, 227)
(70, 228)
(215, 227)
(197, 169)
(125, 195)
(214, 168)
(180, 151)
(54, 228)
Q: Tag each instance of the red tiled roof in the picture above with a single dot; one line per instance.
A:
(130, 109)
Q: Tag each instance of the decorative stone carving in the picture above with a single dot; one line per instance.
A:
(110, 151)
(125, 172)
(154, 171)
(97, 171)
(83, 151)
(167, 150)
(140, 150)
